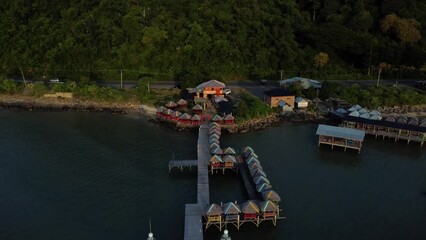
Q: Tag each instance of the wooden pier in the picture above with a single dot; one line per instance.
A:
(181, 164)
(195, 212)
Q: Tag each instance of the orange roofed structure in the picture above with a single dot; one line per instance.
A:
(208, 89)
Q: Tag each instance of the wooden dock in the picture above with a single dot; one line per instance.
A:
(181, 164)
(248, 182)
(195, 212)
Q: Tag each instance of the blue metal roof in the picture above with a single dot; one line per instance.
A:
(340, 132)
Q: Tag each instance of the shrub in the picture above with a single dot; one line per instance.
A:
(8, 86)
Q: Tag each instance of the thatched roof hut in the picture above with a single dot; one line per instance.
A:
(252, 154)
(254, 165)
(214, 135)
(268, 206)
(271, 195)
(401, 120)
(214, 210)
(168, 112)
(229, 151)
(216, 159)
(182, 102)
(214, 145)
(231, 208)
(215, 131)
(196, 117)
(247, 149)
(217, 118)
(185, 116)
(252, 159)
(263, 187)
(229, 159)
(250, 207)
(197, 108)
(390, 118)
(216, 151)
(171, 104)
(213, 140)
(160, 109)
(257, 172)
(261, 179)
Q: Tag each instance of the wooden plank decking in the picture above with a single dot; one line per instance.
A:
(195, 212)
(182, 164)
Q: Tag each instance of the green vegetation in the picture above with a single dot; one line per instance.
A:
(193, 40)
(8, 86)
(373, 96)
(250, 107)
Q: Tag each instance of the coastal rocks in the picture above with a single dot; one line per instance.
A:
(305, 117)
(415, 110)
(253, 125)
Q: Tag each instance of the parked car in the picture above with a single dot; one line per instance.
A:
(227, 91)
(54, 80)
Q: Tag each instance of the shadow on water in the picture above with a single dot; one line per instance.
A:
(338, 156)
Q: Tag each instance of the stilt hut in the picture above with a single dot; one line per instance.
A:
(261, 179)
(197, 109)
(216, 151)
(254, 165)
(216, 162)
(214, 145)
(229, 119)
(213, 140)
(214, 215)
(171, 105)
(215, 131)
(214, 136)
(185, 118)
(272, 196)
(246, 151)
(196, 120)
(167, 113)
(176, 115)
(252, 154)
(182, 103)
(232, 213)
(229, 161)
(217, 119)
(215, 124)
(263, 187)
(269, 211)
(229, 151)
(257, 172)
(250, 212)
(159, 112)
(252, 159)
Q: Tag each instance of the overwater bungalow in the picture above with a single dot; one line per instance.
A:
(197, 109)
(413, 121)
(217, 119)
(176, 115)
(215, 124)
(171, 105)
(229, 119)
(216, 151)
(214, 215)
(182, 103)
(260, 179)
(269, 210)
(215, 131)
(339, 136)
(232, 212)
(252, 154)
(229, 161)
(185, 118)
(263, 187)
(252, 159)
(257, 172)
(247, 149)
(159, 111)
(390, 118)
(229, 151)
(214, 136)
(214, 145)
(250, 211)
(215, 161)
(254, 165)
(213, 140)
(272, 196)
(167, 114)
(196, 120)
(363, 110)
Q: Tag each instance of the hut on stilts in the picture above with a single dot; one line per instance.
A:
(232, 214)
(269, 211)
(250, 212)
(214, 216)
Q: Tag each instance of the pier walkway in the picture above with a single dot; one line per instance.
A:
(182, 164)
(195, 212)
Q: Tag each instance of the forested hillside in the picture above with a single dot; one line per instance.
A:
(193, 40)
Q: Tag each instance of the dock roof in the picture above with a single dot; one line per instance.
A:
(340, 132)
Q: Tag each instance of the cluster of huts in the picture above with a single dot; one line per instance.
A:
(220, 158)
(237, 214)
(392, 126)
(177, 112)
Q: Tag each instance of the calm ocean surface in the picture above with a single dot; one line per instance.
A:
(102, 176)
